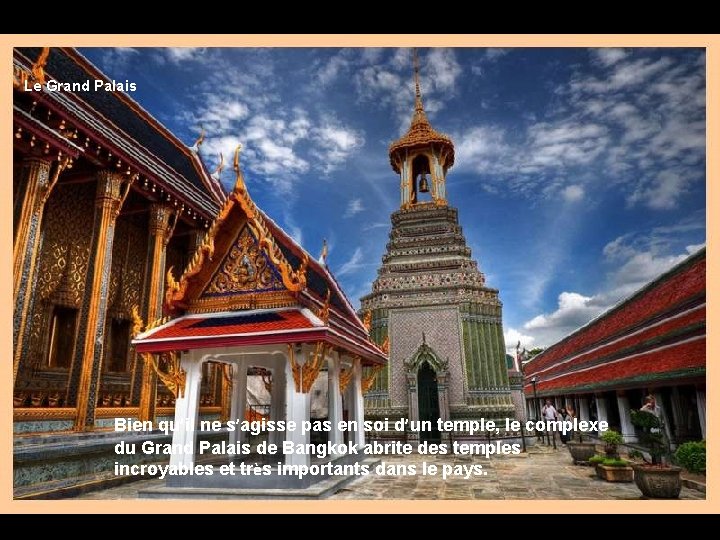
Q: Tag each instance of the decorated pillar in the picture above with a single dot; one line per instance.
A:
(334, 399)
(187, 407)
(36, 176)
(626, 426)
(159, 235)
(239, 397)
(87, 361)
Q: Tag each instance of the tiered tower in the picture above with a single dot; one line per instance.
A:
(429, 303)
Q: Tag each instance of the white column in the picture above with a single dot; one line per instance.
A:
(601, 409)
(239, 398)
(664, 416)
(626, 426)
(334, 399)
(584, 408)
(186, 410)
(701, 409)
(277, 402)
(356, 409)
(297, 410)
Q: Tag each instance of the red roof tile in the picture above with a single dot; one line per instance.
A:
(236, 323)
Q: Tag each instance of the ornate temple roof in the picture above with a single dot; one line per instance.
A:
(250, 283)
(123, 122)
(421, 133)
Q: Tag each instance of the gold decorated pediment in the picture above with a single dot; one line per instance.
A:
(246, 268)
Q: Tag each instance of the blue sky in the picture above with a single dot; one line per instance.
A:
(579, 173)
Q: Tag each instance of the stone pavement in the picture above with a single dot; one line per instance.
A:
(542, 473)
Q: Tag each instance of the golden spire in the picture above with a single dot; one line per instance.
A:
(419, 115)
(420, 134)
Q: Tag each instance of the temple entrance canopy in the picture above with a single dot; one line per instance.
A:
(251, 298)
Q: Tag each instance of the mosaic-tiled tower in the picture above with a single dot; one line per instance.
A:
(430, 303)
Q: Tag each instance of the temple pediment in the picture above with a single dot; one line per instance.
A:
(239, 264)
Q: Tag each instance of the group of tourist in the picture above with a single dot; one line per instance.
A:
(549, 412)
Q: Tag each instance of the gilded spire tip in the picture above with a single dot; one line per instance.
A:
(419, 116)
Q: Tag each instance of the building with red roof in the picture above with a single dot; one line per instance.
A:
(650, 343)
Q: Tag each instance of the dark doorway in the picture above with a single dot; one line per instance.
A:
(428, 405)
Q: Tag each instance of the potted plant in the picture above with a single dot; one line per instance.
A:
(614, 469)
(657, 479)
(580, 451)
(611, 439)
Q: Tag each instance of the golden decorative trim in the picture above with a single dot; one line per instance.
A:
(346, 374)
(47, 189)
(293, 280)
(324, 312)
(269, 299)
(219, 169)
(137, 321)
(385, 347)
(173, 376)
(200, 139)
(36, 413)
(367, 320)
(306, 375)
(368, 381)
(36, 74)
(116, 412)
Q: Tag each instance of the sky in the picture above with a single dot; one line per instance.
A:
(579, 173)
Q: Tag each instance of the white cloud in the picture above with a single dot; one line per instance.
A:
(662, 192)
(634, 120)
(573, 193)
(494, 53)
(178, 55)
(609, 55)
(334, 144)
(353, 264)
(512, 336)
(117, 58)
(355, 206)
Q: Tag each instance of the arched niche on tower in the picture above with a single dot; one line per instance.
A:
(421, 177)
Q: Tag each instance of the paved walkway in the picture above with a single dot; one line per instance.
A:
(542, 473)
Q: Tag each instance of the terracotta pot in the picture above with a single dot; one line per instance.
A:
(658, 482)
(581, 452)
(615, 474)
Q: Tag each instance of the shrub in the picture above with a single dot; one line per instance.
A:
(691, 455)
(614, 462)
(596, 459)
(612, 437)
(635, 454)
